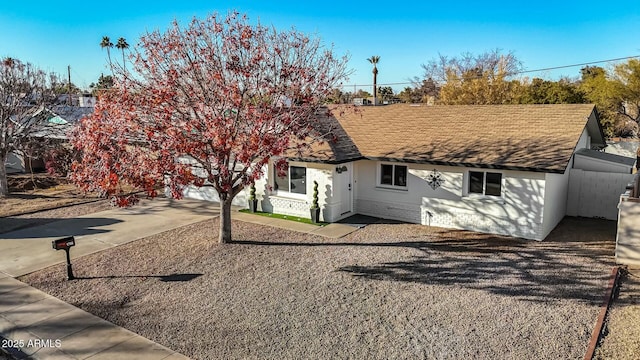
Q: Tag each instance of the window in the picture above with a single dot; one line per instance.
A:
(486, 183)
(394, 175)
(294, 181)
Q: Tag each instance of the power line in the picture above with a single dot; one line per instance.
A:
(574, 65)
(511, 74)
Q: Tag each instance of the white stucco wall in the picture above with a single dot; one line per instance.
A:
(286, 203)
(519, 212)
(400, 204)
(281, 202)
(585, 140)
(555, 200)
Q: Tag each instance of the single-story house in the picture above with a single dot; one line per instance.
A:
(53, 124)
(501, 169)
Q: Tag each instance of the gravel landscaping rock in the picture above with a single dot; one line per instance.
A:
(622, 340)
(387, 291)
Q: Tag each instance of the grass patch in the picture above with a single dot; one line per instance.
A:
(285, 217)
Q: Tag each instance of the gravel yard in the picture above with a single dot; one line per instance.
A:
(623, 322)
(10, 223)
(39, 192)
(385, 291)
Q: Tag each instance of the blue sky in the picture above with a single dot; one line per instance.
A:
(542, 34)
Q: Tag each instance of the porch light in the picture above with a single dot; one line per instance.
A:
(341, 169)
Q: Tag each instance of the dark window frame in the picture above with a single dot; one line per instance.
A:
(393, 175)
(288, 180)
(486, 183)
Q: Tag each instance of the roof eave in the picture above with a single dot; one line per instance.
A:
(471, 165)
(434, 162)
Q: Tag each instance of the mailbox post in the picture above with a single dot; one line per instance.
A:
(66, 244)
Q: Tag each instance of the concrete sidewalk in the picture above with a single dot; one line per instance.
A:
(43, 327)
(40, 326)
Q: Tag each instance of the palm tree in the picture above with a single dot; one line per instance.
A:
(106, 43)
(374, 60)
(122, 45)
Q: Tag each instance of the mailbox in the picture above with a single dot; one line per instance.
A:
(64, 243)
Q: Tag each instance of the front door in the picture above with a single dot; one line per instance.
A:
(344, 188)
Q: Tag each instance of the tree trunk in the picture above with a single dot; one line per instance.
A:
(4, 187)
(375, 87)
(225, 221)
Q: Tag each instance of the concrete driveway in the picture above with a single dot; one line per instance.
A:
(28, 314)
(27, 250)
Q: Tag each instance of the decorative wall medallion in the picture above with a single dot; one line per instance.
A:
(435, 179)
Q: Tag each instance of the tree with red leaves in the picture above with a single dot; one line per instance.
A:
(206, 105)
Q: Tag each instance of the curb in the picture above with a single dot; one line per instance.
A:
(596, 335)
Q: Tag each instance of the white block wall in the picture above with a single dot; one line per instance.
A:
(596, 194)
(387, 210)
(483, 216)
(628, 234)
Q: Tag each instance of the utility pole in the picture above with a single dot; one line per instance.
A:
(69, 85)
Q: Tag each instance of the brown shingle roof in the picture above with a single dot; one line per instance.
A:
(337, 146)
(520, 137)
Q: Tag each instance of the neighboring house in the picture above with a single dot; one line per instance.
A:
(58, 120)
(500, 169)
(14, 164)
(628, 147)
(54, 123)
